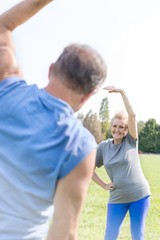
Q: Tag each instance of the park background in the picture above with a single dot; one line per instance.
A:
(127, 34)
(94, 213)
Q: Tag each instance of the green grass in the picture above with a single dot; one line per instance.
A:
(93, 217)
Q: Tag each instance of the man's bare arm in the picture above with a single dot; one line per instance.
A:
(21, 12)
(9, 20)
(69, 199)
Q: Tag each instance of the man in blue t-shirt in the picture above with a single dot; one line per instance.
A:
(47, 157)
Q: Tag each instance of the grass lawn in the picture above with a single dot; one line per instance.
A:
(93, 217)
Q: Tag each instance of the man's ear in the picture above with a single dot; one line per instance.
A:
(50, 72)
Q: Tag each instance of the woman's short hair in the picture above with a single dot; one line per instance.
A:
(122, 115)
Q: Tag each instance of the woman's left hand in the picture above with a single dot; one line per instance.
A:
(113, 89)
(109, 186)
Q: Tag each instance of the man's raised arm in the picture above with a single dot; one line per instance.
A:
(21, 12)
(9, 20)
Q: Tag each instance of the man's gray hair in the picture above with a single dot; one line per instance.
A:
(81, 68)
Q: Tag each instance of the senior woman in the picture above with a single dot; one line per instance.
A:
(129, 189)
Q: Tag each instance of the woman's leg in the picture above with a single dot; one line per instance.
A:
(115, 216)
(138, 211)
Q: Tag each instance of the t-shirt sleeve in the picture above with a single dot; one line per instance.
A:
(79, 144)
(131, 140)
(99, 156)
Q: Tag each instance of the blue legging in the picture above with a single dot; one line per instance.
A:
(116, 214)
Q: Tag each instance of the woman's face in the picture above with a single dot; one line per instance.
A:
(118, 129)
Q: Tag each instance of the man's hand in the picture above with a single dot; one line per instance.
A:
(9, 20)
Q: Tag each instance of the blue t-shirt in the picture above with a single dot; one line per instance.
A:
(40, 142)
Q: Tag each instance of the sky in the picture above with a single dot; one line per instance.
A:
(126, 33)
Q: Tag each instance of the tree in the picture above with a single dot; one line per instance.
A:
(149, 137)
(158, 139)
(104, 118)
(104, 110)
(92, 123)
(140, 125)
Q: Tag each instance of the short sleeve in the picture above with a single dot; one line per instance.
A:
(99, 155)
(77, 146)
(131, 140)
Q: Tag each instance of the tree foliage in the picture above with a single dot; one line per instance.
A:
(104, 118)
(104, 110)
(149, 137)
(140, 126)
(91, 122)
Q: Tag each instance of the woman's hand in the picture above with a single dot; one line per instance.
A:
(113, 89)
(108, 186)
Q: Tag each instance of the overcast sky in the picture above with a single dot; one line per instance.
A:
(126, 33)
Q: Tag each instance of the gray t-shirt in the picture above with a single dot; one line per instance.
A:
(122, 164)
